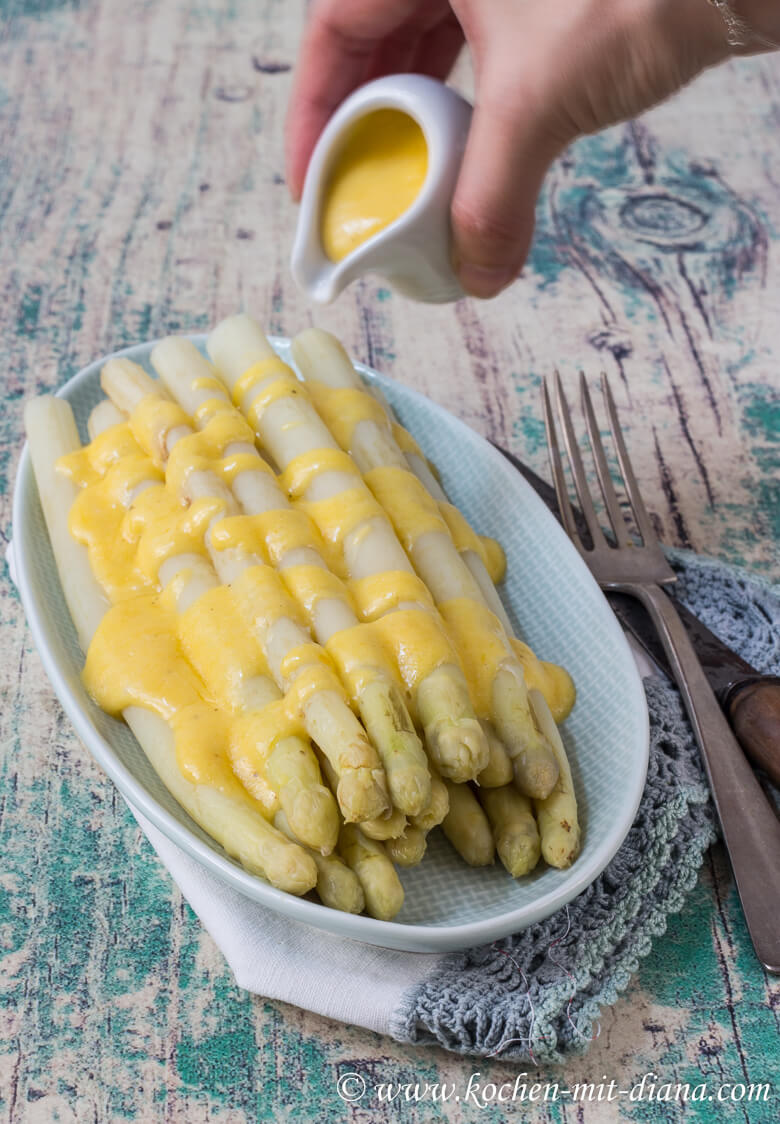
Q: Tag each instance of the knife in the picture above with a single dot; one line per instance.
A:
(750, 700)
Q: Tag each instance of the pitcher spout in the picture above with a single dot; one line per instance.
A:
(322, 279)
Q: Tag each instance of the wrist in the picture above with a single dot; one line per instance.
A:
(750, 26)
(704, 28)
(693, 31)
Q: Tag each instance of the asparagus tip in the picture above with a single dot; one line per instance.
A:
(536, 774)
(560, 853)
(518, 850)
(313, 818)
(362, 795)
(292, 870)
(410, 788)
(461, 748)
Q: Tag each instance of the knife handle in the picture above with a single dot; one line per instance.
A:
(751, 828)
(754, 710)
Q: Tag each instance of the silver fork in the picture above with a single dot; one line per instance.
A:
(751, 828)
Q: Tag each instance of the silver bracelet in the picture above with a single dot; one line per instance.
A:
(739, 33)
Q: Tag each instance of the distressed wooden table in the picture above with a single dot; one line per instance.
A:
(141, 193)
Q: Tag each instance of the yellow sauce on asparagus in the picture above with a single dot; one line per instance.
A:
(202, 667)
(344, 408)
(135, 659)
(413, 513)
(377, 176)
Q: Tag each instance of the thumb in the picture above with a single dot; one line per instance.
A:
(508, 152)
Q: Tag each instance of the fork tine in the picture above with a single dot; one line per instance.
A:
(649, 537)
(577, 468)
(605, 480)
(556, 467)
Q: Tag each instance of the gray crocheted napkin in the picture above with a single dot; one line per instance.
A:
(536, 995)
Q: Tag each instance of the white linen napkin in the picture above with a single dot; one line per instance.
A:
(278, 958)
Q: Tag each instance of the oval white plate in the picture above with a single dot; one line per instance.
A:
(558, 609)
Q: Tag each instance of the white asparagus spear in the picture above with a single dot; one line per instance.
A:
(514, 828)
(191, 381)
(467, 828)
(436, 811)
(338, 887)
(102, 417)
(381, 885)
(407, 849)
(289, 427)
(499, 769)
(365, 433)
(290, 770)
(483, 556)
(369, 437)
(405, 842)
(554, 681)
(557, 816)
(326, 716)
(232, 820)
(383, 827)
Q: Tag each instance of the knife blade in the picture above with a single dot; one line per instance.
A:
(750, 700)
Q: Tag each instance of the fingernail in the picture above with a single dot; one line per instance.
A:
(483, 281)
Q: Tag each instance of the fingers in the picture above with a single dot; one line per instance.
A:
(546, 73)
(331, 64)
(393, 56)
(420, 49)
(508, 152)
(345, 43)
(436, 51)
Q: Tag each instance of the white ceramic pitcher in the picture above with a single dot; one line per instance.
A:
(414, 252)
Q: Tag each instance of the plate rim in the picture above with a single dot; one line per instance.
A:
(404, 936)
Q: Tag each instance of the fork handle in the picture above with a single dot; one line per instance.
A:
(751, 828)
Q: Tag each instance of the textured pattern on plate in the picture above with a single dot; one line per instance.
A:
(605, 735)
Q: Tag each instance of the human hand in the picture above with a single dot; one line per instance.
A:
(546, 71)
